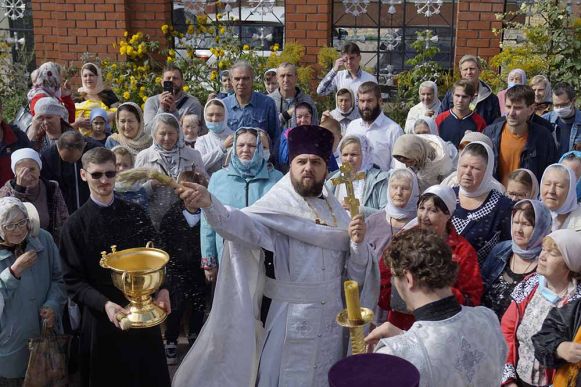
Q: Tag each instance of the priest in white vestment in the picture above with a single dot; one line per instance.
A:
(315, 248)
(450, 345)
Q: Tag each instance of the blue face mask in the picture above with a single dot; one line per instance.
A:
(216, 127)
(511, 84)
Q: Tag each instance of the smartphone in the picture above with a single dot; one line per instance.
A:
(168, 86)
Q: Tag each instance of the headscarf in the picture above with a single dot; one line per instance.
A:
(7, 204)
(353, 103)
(413, 147)
(98, 112)
(51, 106)
(170, 157)
(410, 209)
(486, 184)
(543, 222)
(99, 87)
(248, 168)
(429, 121)
(47, 80)
(225, 122)
(535, 187)
(570, 203)
(578, 156)
(445, 193)
(569, 243)
(477, 136)
(141, 140)
(366, 150)
(433, 86)
(523, 77)
(24, 153)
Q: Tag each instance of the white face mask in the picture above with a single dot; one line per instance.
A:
(266, 154)
(564, 112)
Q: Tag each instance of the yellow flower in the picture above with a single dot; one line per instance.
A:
(123, 50)
(109, 77)
(213, 75)
(169, 59)
(186, 88)
(276, 47)
(246, 47)
(222, 30)
(114, 66)
(165, 28)
(129, 50)
(125, 33)
(126, 95)
(144, 99)
(157, 79)
(221, 65)
(172, 52)
(191, 29)
(218, 16)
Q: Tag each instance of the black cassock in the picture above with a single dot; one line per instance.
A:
(109, 356)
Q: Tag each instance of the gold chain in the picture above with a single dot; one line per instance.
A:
(318, 219)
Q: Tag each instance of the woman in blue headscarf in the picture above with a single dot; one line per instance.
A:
(515, 77)
(246, 179)
(509, 262)
(572, 159)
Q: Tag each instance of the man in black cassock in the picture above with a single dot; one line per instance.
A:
(108, 355)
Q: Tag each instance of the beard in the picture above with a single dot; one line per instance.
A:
(369, 115)
(312, 189)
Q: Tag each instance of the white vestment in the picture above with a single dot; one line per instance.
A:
(465, 350)
(301, 339)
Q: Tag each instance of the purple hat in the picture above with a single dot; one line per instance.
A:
(373, 370)
(310, 139)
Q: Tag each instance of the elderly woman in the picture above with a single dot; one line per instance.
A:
(553, 285)
(543, 94)
(572, 159)
(522, 184)
(93, 95)
(130, 129)
(482, 214)
(559, 195)
(246, 179)
(427, 155)
(425, 126)
(31, 287)
(29, 186)
(214, 145)
(168, 155)
(371, 191)
(46, 82)
(48, 124)
(515, 77)
(428, 107)
(511, 261)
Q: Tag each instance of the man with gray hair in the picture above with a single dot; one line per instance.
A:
(62, 163)
(288, 95)
(247, 107)
(485, 102)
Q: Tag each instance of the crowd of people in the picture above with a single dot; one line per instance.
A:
(466, 244)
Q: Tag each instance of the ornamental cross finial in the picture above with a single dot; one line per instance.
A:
(347, 176)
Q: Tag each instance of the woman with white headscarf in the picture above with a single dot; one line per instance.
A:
(214, 145)
(31, 286)
(46, 82)
(522, 184)
(482, 214)
(428, 107)
(515, 77)
(558, 192)
(553, 286)
(427, 155)
(511, 261)
(371, 191)
(168, 154)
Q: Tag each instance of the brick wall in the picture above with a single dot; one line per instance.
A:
(308, 22)
(474, 23)
(65, 29)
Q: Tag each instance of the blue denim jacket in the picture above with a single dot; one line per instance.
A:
(575, 137)
(495, 262)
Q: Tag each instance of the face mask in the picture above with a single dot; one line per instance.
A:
(266, 154)
(246, 163)
(511, 84)
(216, 127)
(564, 112)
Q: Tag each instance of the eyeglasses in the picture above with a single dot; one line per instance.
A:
(14, 226)
(98, 175)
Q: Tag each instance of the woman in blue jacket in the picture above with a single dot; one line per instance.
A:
(246, 179)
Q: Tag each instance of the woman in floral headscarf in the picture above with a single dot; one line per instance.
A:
(130, 133)
(371, 191)
(46, 82)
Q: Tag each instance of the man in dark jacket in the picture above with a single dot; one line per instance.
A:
(11, 139)
(519, 143)
(62, 162)
(485, 102)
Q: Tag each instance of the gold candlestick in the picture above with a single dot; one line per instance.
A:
(354, 317)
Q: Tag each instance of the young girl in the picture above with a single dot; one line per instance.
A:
(522, 184)
(190, 124)
(135, 193)
(99, 125)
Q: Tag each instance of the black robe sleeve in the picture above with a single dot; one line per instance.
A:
(560, 325)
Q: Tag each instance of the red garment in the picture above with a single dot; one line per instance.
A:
(521, 296)
(468, 287)
(13, 139)
(67, 102)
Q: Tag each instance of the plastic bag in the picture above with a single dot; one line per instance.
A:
(47, 365)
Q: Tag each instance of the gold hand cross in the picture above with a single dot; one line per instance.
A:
(347, 176)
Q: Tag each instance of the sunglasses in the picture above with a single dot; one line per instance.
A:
(14, 226)
(98, 175)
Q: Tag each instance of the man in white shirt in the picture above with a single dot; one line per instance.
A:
(380, 130)
(352, 77)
